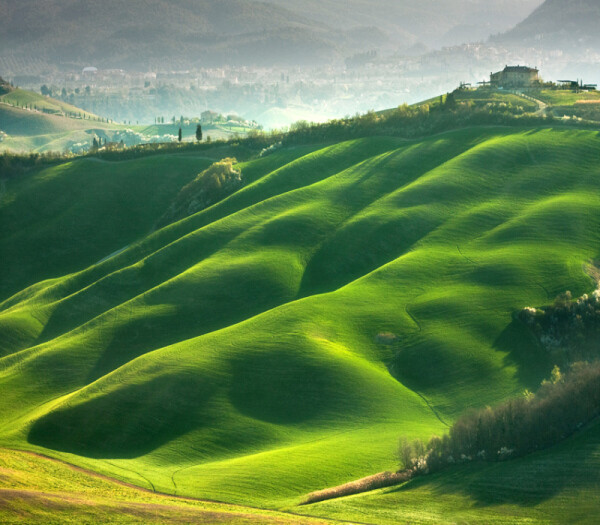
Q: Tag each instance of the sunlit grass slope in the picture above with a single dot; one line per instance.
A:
(556, 486)
(35, 123)
(565, 97)
(34, 131)
(234, 355)
(21, 122)
(23, 97)
(34, 489)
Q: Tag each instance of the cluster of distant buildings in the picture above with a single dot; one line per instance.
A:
(518, 77)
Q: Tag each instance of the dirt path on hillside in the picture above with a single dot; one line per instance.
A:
(542, 106)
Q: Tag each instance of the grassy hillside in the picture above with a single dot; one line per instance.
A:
(559, 103)
(34, 123)
(77, 213)
(483, 97)
(554, 487)
(566, 97)
(566, 103)
(24, 98)
(238, 354)
(24, 123)
(38, 490)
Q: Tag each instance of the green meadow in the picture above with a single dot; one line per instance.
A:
(283, 339)
(25, 98)
(35, 123)
(219, 131)
(565, 97)
(34, 489)
(35, 131)
(556, 486)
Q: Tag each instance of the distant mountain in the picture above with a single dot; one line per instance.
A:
(557, 24)
(141, 33)
(431, 22)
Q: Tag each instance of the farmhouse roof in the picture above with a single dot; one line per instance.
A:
(520, 69)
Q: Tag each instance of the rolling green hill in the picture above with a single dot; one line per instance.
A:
(24, 98)
(102, 209)
(39, 124)
(39, 490)
(34, 123)
(556, 486)
(243, 354)
(24, 123)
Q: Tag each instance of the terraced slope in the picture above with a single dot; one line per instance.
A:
(235, 355)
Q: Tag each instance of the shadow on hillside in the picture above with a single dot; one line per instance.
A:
(533, 363)
(526, 482)
(370, 236)
(129, 421)
(282, 387)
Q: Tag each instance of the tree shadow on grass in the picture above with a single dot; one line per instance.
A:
(573, 464)
(522, 350)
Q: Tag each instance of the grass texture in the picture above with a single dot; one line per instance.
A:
(35, 489)
(23, 97)
(237, 355)
(556, 486)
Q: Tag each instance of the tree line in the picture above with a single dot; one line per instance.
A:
(410, 122)
(563, 405)
(568, 329)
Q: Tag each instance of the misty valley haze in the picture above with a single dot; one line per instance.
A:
(274, 62)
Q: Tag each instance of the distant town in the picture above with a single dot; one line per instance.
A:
(275, 97)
